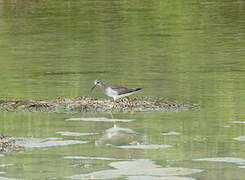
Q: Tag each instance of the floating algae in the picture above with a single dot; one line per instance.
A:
(88, 104)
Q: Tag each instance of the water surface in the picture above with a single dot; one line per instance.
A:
(191, 52)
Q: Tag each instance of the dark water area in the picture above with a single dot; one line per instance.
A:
(190, 52)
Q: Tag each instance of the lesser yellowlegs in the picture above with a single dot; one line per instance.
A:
(114, 91)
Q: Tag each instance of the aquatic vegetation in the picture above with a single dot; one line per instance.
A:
(88, 104)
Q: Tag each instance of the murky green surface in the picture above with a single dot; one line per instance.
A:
(191, 52)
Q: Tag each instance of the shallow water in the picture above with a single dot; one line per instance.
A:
(190, 52)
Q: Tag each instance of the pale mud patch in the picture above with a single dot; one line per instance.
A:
(41, 143)
(200, 139)
(239, 138)
(238, 161)
(81, 165)
(142, 168)
(7, 178)
(100, 119)
(53, 138)
(237, 122)
(10, 144)
(158, 178)
(94, 158)
(227, 126)
(67, 133)
(171, 133)
(5, 165)
(145, 146)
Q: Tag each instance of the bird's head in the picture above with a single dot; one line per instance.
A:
(96, 83)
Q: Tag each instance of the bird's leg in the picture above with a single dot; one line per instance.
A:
(129, 103)
(112, 117)
(113, 105)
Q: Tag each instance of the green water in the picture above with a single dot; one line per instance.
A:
(191, 52)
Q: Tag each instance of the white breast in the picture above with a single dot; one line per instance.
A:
(112, 93)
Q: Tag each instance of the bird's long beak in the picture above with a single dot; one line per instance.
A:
(93, 87)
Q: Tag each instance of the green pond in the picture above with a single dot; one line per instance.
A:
(185, 51)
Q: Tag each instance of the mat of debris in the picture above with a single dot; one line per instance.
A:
(88, 104)
(8, 144)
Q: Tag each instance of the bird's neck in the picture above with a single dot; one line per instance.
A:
(103, 86)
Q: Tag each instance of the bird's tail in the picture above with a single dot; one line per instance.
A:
(138, 89)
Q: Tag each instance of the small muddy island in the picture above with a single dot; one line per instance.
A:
(88, 104)
(8, 144)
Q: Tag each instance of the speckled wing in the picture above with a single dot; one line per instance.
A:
(123, 90)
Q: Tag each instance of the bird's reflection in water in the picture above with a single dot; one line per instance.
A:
(119, 136)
